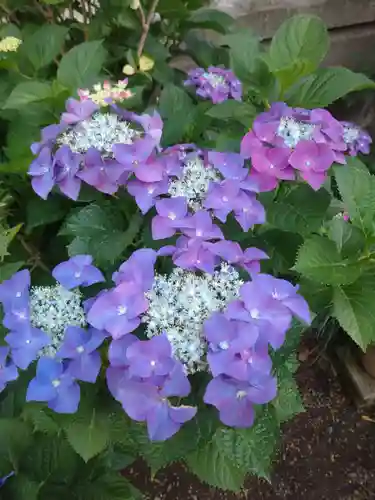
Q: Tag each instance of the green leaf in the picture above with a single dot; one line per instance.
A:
(281, 356)
(251, 449)
(88, 433)
(109, 486)
(317, 295)
(244, 49)
(26, 93)
(325, 86)
(37, 415)
(6, 237)
(42, 212)
(178, 110)
(319, 260)
(213, 467)
(7, 270)
(357, 189)
(21, 487)
(15, 437)
(42, 47)
(353, 307)
(211, 19)
(349, 239)
(97, 229)
(301, 40)
(301, 210)
(231, 109)
(80, 67)
(288, 402)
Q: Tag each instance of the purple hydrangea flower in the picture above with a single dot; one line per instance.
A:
(251, 212)
(42, 170)
(77, 271)
(137, 159)
(216, 84)
(103, 174)
(146, 193)
(152, 125)
(223, 198)
(77, 111)
(230, 165)
(235, 400)
(49, 135)
(193, 254)
(80, 346)
(138, 270)
(4, 479)
(313, 161)
(55, 386)
(25, 345)
(171, 214)
(8, 370)
(118, 310)
(356, 139)
(200, 225)
(150, 357)
(67, 166)
(251, 258)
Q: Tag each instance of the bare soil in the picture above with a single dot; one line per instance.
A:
(327, 453)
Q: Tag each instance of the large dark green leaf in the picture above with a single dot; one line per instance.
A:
(301, 210)
(325, 86)
(80, 67)
(178, 110)
(42, 47)
(353, 307)
(26, 93)
(319, 260)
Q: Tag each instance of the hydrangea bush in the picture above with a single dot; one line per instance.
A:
(180, 236)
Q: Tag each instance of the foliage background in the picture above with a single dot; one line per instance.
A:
(332, 260)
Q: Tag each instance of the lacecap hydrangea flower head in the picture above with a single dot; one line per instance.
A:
(158, 330)
(216, 84)
(286, 143)
(96, 143)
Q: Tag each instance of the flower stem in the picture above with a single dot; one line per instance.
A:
(146, 23)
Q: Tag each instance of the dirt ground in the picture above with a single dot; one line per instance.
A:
(328, 452)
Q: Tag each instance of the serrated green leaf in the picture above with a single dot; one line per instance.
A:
(109, 486)
(251, 449)
(100, 230)
(37, 415)
(317, 295)
(88, 433)
(42, 212)
(301, 210)
(44, 44)
(288, 402)
(357, 189)
(6, 237)
(319, 260)
(178, 111)
(353, 307)
(26, 93)
(325, 86)
(235, 110)
(298, 47)
(215, 468)
(349, 239)
(81, 66)
(292, 340)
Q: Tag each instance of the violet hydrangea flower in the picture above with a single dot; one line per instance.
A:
(80, 347)
(8, 370)
(77, 271)
(356, 139)
(67, 167)
(25, 344)
(42, 170)
(77, 111)
(216, 84)
(54, 385)
(170, 215)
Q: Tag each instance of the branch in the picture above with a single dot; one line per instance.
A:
(34, 254)
(146, 23)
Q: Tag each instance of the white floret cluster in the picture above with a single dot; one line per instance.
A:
(214, 79)
(52, 309)
(101, 131)
(351, 134)
(194, 182)
(293, 131)
(180, 303)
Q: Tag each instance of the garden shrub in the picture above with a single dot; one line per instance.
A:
(166, 239)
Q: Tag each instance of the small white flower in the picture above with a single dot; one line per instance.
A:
(293, 131)
(52, 309)
(194, 182)
(10, 44)
(181, 302)
(350, 134)
(100, 131)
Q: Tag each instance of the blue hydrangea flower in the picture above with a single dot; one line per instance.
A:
(77, 271)
(54, 385)
(8, 370)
